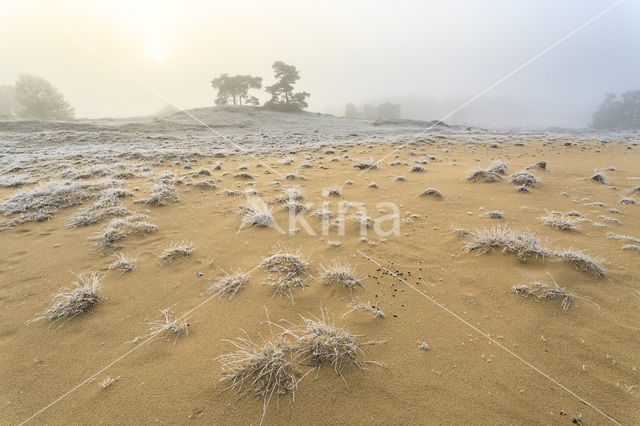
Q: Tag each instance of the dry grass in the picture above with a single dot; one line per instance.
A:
(108, 381)
(496, 214)
(74, 301)
(525, 179)
(356, 304)
(340, 273)
(123, 263)
(256, 213)
(265, 369)
(431, 192)
(631, 247)
(523, 244)
(561, 222)
(183, 248)
(285, 262)
(229, 285)
(369, 164)
(600, 178)
(583, 262)
(332, 191)
(622, 237)
(483, 175)
(169, 325)
(160, 194)
(119, 228)
(319, 342)
(549, 292)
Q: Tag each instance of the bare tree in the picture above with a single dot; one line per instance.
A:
(39, 99)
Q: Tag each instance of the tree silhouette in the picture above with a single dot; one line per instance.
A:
(618, 113)
(283, 97)
(37, 98)
(236, 88)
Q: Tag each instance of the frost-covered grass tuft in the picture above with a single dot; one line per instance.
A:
(169, 325)
(561, 222)
(265, 369)
(523, 244)
(123, 263)
(622, 237)
(74, 301)
(356, 304)
(483, 175)
(285, 262)
(119, 228)
(631, 247)
(431, 192)
(13, 181)
(160, 194)
(628, 201)
(523, 178)
(369, 164)
(600, 178)
(549, 292)
(229, 285)
(342, 274)
(417, 168)
(496, 214)
(583, 262)
(183, 248)
(257, 213)
(332, 191)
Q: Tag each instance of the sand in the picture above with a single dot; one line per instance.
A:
(429, 287)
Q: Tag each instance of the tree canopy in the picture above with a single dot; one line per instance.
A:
(283, 98)
(39, 99)
(619, 113)
(235, 88)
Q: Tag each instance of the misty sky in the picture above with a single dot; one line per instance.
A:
(430, 56)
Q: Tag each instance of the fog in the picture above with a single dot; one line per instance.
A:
(428, 56)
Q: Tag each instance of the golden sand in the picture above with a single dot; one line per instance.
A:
(430, 289)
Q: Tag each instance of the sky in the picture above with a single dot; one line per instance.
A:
(121, 58)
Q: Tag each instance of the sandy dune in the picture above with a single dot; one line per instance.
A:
(531, 364)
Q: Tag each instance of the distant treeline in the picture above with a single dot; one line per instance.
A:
(383, 111)
(619, 112)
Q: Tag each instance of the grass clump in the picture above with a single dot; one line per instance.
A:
(160, 194)
(183, 248)
(561, 222)
(119, 228)
(169, 325)
(265, 369)
(332, 191)
(549, 292)
(614, 236)
(319, 342)
(431, 192)
(600, 178)
(417, 168)
(365, 164)
(229, 285)
(340, 273)
(583, 262)
(72, 302)
(525, 179)
(257, 213)
(356, 304)
(523, 244)
(496, 214)
(285, 262)
(123, 263)
(631, 247)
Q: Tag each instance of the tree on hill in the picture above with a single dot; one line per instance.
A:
(39, 99)
(283, 98)
(618, 113)
(351, 111)
(8, 104)
(236, 88)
